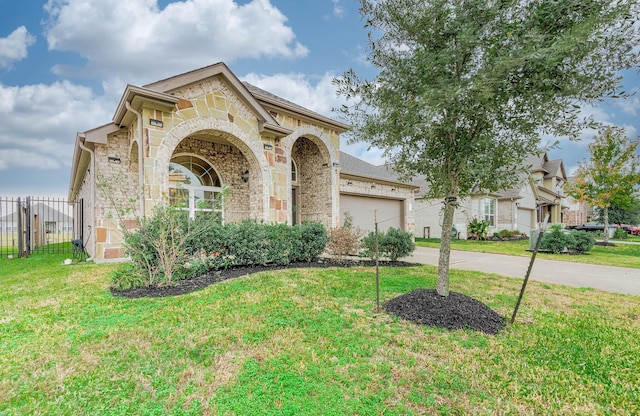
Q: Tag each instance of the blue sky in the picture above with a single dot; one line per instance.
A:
(65, 63)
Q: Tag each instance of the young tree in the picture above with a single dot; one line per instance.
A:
(466, 87)
(610, 176)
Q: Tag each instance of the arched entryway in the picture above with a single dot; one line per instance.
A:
(237, 159)
(311, 182)
(211, 173)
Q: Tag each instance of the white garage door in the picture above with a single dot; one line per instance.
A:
(525, 220)
(361, 208)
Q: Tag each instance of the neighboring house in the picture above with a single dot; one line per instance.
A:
(41, 220)
(577, 212)
(189, 138)
(522, 208)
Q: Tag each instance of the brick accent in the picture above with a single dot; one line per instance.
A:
(130, 224)
(113, 253)
(182, 104)
(101, 235)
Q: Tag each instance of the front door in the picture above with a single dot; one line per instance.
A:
(294, 206)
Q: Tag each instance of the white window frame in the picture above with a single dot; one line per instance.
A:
(193, 191)
(489, 217)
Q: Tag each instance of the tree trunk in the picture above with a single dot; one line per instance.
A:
(605, 220)
(442, 286)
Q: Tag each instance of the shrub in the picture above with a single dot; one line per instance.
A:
(158, 245)
(398, 243)
(342, 242)
(582, 241)
(393, 244)
(247, 243)
(620, 234)
(313, 240)
(477, 229)
(168, 246)
(555, 241)
(128, 276)
(281, 242)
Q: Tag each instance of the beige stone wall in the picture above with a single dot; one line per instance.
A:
(210, 121)
(116, 187)
(314, 182)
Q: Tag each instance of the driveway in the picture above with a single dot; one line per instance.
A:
(612, 279)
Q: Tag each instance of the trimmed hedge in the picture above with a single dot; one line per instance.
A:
(394, 244)
(206, 245)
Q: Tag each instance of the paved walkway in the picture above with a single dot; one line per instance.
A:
(612, 279)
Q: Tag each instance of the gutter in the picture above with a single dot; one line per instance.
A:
(140, 158)
(93, 182)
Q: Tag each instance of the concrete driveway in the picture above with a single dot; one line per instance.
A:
(612, 279)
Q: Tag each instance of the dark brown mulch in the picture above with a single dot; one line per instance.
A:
(602, 243)
(182, 287)
(457, 311)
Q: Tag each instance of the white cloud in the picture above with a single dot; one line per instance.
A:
(629, 105)
(297, 88)
(40, 123)
(338, 10)
(143, 43)
(14, 47)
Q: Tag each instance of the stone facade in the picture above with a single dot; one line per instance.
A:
(247, 137)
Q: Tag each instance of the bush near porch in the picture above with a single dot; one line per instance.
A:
(168, 246)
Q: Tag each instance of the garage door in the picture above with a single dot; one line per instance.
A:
(525, 220)
(361, 208)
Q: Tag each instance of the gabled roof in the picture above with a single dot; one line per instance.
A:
(172, 84)
(555, 168)
(267, 98)
(353, 166)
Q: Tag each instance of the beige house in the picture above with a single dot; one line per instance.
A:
(216, 146)
(522, 208)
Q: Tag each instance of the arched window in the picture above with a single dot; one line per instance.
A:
(195, 186)
(294, 171)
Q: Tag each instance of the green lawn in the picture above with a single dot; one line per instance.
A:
(623, 255)
(306, 342)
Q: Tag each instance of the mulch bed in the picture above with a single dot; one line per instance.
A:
(422, 306)
(457, 311)
(185, 286)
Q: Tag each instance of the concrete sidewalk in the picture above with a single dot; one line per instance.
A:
(611, 279)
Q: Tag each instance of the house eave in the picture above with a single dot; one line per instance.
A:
(307, 114)
(136, 96)
(378, 180)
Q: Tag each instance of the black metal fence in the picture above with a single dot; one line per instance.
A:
(34, 224)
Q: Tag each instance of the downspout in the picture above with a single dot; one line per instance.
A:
(93, 186)
(140, 158)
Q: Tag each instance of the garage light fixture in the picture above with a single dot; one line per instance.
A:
(113, 159)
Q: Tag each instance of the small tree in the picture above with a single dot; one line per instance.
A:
(345, 240)
(610, 176)
(465, 87)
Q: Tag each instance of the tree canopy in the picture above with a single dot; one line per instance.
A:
(609, 178)
(465, 88)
